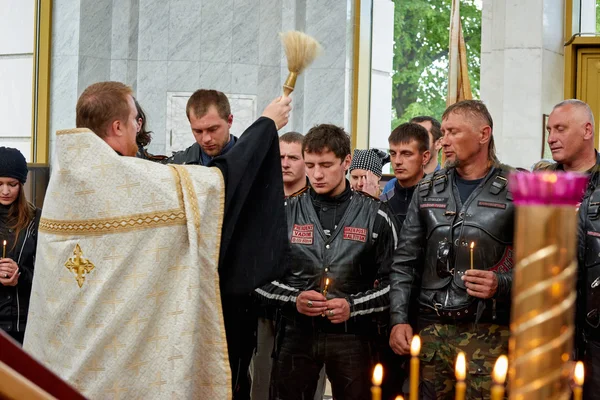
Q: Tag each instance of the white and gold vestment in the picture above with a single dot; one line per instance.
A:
(125, 300)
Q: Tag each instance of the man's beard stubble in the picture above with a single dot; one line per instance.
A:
(452, 163)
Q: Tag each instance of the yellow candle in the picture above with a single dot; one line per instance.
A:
(461, 373)
(499, 376)
(4, 249)
(415, 349)
(471, 250)
(377, 379)
(578, 378)
(326, 287)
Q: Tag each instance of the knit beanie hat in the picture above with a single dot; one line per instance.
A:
(371, 160)
(13, 164)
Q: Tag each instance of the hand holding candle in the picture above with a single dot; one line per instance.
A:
(377, 379)
(471, 251)
(415, 349)
(461, 373)
(499, 376)
(578, 378)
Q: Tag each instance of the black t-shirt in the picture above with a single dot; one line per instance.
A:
(331, 209)
(466, 187)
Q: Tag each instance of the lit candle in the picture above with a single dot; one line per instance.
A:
(578, 378)
(461, 373)
(399, 398)
(499, 376)
(377, 379)
(4, 249)
(326, 287)
(471, 251)
(415, 349)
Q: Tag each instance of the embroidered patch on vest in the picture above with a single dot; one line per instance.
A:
(594, 234)
(506, 263)
(303, 234)
(356, 234)
(433, 205)
(491, 204)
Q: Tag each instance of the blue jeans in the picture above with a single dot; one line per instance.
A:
(303, 352)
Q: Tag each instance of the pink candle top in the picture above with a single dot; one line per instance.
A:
(554, 188)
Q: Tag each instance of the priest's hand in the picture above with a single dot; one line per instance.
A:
(338, 310)
(400, 339)
(279, 111)
(9, 272)
(480, 284)
(311, 303)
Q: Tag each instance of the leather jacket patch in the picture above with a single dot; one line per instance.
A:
(356, 234)
(434, 202)
(506, 263)
(303, 234)
(491, 204)
(594, 234)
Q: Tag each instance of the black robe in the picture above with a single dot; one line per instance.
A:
(254, 236)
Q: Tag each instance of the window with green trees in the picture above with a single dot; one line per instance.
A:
(421, 36)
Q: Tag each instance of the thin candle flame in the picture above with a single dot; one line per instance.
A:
(378, 375)
(500, 370)
(461, 367)
(399, 398)
(579, 373)
(415, 346)
(472, 245)
(327, 282)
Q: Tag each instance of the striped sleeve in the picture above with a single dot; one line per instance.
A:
(386, 240)
(277, 294)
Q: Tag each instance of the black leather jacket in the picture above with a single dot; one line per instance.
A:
(14, 300)
(191, 155)
(357, 254)
(588, 301)
(434, 248)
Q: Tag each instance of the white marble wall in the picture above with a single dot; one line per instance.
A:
(16, 70)
(164, 46)
(522, 66)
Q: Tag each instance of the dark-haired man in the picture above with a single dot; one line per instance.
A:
(433, 127)
(409, 153)
(341, 243)
(460, 309)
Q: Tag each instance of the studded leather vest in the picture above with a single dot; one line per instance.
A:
(346, 257)
(486, 220)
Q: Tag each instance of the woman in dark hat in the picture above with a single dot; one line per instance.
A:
(19, 221)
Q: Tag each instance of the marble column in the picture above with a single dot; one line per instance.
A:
(522, 67)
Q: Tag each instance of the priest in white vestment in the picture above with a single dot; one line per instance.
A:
(126, 296)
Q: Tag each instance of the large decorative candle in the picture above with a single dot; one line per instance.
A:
(543, 288)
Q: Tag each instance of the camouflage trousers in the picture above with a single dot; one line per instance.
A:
(441, 343)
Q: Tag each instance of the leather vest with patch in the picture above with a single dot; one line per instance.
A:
(486, 219)
(346, 257)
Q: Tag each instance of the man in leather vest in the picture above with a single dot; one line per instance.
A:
(341, 242)
(463, 305)
(409, 154)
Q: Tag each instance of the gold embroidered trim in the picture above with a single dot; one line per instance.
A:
(177, 185)
(72, 131)
(186, 182)
(113, 225)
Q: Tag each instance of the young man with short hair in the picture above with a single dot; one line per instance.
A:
(409, 153)
(292, 162)
(341, 242)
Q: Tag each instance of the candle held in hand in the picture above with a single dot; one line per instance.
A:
(326, 288)
(499, 377)
(377, 379)
(4, 249)
(415, 349)
(578, 378)
(461, 373)
(471, 251)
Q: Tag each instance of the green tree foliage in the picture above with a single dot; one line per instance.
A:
(421, 33)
